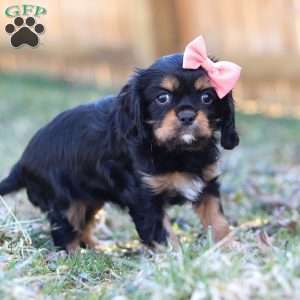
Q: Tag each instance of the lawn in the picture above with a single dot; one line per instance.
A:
(261, 196)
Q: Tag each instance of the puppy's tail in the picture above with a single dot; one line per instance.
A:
(13, 182)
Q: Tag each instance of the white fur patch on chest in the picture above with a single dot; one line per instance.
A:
(188, 185)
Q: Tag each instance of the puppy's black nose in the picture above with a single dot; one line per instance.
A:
(186, 117)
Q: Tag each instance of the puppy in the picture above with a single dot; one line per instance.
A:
(151, 146)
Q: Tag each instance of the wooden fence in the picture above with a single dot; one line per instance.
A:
(103, 40)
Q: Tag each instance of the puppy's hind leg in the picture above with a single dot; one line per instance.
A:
(65, 236)
(83, 218)
(87, 237)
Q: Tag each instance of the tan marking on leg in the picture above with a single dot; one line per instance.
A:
(210, 172)
(172, 236)
(203, 124)
(87, 235)
(210, 215)
(167, 128)
(202, 83)
(170, 83)
(76, 215)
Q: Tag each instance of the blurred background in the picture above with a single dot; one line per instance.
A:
(102, 41)
(88, 49)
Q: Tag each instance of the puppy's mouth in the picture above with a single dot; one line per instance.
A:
(172, 133)
(191, 137)
(188, 135)
(186, 138)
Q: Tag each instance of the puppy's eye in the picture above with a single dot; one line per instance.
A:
(163, 99)
(206, 99)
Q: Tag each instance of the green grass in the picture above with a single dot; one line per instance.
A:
(261, 195)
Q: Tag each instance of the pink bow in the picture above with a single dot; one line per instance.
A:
(223, 75)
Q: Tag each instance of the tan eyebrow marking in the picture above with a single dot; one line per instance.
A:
(170, 83)
(202, 83)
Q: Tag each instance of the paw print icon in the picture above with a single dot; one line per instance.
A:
(24, 33)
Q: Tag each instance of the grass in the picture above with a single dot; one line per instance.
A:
(261, 194)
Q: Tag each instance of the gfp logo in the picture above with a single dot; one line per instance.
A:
(24, 30)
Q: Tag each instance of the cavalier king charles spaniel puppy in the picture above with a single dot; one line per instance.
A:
(153, 145)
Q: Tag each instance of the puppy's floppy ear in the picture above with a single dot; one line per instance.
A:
(129, 115)
(229, 136)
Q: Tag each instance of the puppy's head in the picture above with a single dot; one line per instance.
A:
(179, 108)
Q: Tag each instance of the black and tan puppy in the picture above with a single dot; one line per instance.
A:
(151, 146)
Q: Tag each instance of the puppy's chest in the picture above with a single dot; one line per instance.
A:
(184, 184)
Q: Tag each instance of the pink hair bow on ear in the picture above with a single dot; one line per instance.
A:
(223, 75)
